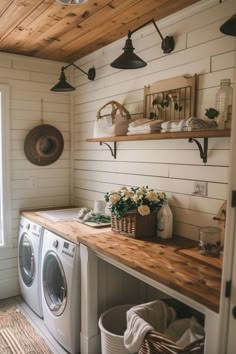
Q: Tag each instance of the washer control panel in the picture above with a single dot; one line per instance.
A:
(68, 249)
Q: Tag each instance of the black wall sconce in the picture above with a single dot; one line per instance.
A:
(64, 86)
(129, 60)
(229, 27)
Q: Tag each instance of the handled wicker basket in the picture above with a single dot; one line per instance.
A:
(134, 225)
(113, 123)
(156, 343)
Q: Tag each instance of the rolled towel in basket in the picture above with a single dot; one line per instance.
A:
(184, 331)
(155, 315)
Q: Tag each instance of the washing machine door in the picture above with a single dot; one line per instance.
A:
(54, 283)
(26, 260)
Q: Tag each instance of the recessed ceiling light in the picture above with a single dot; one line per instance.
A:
(72, 2)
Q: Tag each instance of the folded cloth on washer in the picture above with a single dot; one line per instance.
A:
(191, 122)
(155, 315)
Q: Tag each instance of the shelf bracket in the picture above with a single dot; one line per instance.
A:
(203, 150)
(113, 151)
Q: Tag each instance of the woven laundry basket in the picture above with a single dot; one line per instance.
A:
(156, 343)
(112, 324)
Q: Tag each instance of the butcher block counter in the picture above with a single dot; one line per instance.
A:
(169, 262)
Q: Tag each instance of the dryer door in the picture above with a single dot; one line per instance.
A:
(26, 260)
(54, 283)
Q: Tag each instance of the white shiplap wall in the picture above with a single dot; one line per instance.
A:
(30, 81)
(168, 165)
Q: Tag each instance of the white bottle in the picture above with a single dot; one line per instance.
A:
(165, 222)
(224, 104)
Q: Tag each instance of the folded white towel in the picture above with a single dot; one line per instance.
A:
(173, 130)
(191, 122)
(145, 131)
(155, 315)
(173, 124)
(139, 122)
(151, 125)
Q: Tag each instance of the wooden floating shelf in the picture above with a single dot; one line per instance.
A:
(192, 136)
(178, 135)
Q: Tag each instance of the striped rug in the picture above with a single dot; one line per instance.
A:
(17, 336)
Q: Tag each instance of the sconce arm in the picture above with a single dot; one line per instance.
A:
(145, 24)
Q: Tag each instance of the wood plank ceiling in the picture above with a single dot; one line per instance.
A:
(49, 30)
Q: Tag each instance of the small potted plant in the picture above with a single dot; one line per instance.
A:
(134, 210)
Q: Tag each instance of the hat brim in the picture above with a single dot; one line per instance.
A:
(43, 145)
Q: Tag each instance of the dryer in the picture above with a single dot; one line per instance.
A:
(61, 290)
(29, 264)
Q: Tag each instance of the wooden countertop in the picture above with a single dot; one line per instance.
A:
(161, 260)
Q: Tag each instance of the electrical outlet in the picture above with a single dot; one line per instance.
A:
(200, 188)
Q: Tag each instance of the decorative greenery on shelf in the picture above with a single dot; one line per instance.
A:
(211, 113)
(144, 199)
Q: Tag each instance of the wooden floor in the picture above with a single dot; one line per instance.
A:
(39, 326)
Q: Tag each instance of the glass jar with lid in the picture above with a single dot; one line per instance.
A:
(224, 104)
(209, 241)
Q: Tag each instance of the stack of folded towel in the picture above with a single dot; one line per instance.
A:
(144, 126)
(187, 124)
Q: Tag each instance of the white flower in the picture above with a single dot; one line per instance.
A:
(114, 198)
(152, 196)
(141, 191)
(161, 195)
(135, 198)
(127, 195)
(144, 210)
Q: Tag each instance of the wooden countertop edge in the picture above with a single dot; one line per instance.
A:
(79, 233)
(163, 280)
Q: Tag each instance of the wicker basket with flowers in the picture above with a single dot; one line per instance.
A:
(134, 210)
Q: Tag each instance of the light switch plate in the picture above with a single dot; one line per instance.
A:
(200, 188)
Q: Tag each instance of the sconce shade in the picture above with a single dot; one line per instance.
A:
(62, 85)
(128, 59)
(229, 27)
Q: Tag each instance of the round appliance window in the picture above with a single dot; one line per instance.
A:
(54, 284)
(26, 260)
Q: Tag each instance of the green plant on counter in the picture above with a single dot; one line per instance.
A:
(144, 199)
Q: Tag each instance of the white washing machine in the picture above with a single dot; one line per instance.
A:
(29, 264)
(61, 290)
